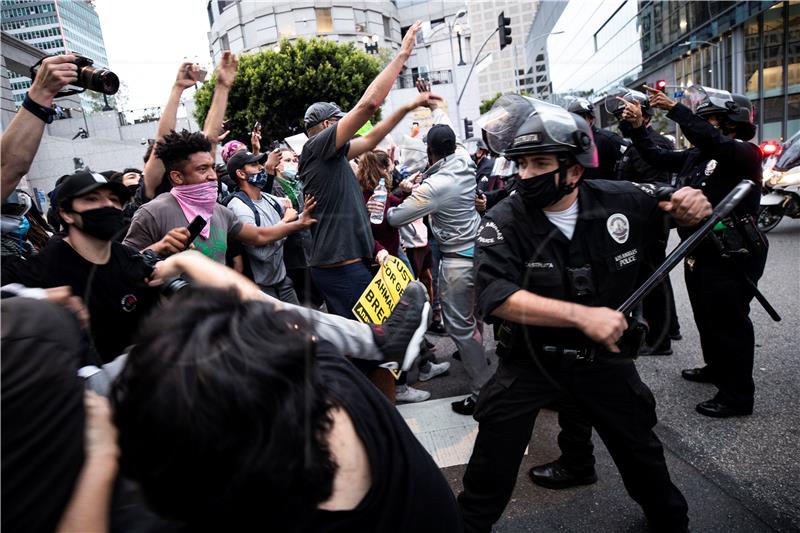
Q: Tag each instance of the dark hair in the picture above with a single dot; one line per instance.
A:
(371, 167)
(176, 148)
(116, 177)
(131, 169)
(222, 415)
(147, 153)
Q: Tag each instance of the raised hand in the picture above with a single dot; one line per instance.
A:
(226, 70)
(410, 39)
(54, 74)
(659, 99)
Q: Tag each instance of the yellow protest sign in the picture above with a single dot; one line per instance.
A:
(384, 291)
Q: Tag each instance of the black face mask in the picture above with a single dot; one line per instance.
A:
(103, 223)
(541, 191)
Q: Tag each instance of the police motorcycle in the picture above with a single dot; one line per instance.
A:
(781, 182)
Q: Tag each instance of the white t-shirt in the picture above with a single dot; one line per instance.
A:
(565, 220)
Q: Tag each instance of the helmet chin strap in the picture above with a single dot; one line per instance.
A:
(563, 186)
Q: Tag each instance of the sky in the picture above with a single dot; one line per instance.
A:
(147, 40)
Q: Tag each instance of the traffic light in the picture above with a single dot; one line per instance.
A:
(467, 128)
(661, 85)
(504, 27)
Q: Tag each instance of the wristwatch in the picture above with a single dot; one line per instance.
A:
(45, 114)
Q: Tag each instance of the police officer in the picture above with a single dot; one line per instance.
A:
(552, 262)
(610, 146)
(717, 271)
(659, 306)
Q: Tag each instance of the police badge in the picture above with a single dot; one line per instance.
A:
(710, 166)
(618, 227)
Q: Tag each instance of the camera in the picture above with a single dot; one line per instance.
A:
(100, 80)
(580, 280)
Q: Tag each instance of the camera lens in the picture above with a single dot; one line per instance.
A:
(99, 80)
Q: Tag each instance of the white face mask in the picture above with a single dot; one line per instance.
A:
(289, 170)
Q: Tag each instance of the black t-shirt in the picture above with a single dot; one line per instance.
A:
(610, 148)
(408, 491)
(119, 296)
(343, 231)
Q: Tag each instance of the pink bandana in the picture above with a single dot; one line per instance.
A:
(231, 148)
(198, 199)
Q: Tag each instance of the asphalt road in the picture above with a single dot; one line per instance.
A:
(738, 475)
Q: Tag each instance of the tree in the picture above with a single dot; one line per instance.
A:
(275, 88)
(93, 101)
(487, 104)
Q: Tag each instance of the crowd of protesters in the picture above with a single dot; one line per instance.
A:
(180, 348)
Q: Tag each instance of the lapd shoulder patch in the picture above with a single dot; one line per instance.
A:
(647, 188)
(489, 234)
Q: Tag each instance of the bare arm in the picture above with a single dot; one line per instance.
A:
(291, 223)
(377, 91)
(89, 506)
(369, 141)
(154, 169)
(226, 74)
(600, 324)
(21, 140)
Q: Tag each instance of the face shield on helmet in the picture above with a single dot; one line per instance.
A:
(706, 101)
(615, 107)
(517, 125)
(503, 167)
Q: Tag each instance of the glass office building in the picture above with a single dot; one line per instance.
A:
(750, 47)
(55, 27)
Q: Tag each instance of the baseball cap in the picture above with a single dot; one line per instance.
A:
(320, 111)
(240, 159)
(441, 139)
(84, 182)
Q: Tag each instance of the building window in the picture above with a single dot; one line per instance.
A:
(210, 11)
(324, 20)
(387, 27)
(222, 5)
(285, 23)
(360, 20)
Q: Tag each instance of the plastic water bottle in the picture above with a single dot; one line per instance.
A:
(378, 196)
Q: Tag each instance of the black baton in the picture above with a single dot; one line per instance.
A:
(722, 210)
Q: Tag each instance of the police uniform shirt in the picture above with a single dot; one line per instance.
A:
(610, 148)
(633, 168)
(715, 164)
(520, 249)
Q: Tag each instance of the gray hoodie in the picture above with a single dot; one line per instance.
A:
(447, 194)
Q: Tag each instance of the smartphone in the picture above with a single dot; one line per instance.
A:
(195, 228)
(257, 127)
(200, 75)
(226, 125)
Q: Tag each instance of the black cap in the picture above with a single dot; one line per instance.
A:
(240, 159)
(320, 111)
(441, 139)
(84, 182)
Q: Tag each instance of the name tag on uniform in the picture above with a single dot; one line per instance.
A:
(619, 261)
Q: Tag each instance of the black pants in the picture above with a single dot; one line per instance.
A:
(659, 305)
(616, 403)
(721, 305)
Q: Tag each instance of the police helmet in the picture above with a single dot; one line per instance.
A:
(517, 125)
(615, 107)
(737, 108)
(581, 106)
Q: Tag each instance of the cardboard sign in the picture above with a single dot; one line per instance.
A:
(296, 142)
(384, 291)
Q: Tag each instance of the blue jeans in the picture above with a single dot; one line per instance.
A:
(342, 286)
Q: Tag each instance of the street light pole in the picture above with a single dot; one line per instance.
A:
(460, 54)
(460, 13)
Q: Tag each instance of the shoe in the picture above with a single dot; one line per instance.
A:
(657, 350)
(405, 393)
(698, 375)
(436, 369)
(555, 476)
(676, 336)
(464, 407)
(400, 337)
(437, 328)
(717, 409)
